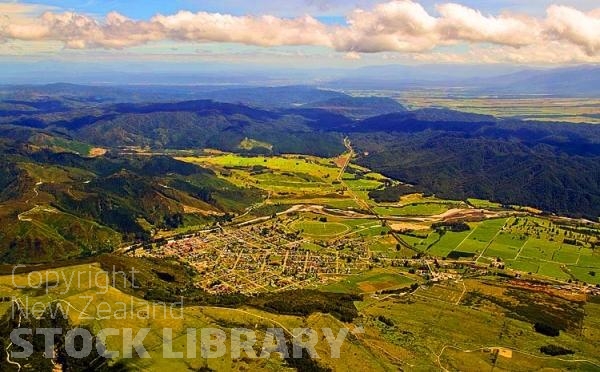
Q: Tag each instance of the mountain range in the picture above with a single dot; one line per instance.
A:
(202, 82)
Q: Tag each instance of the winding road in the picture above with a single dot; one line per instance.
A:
(8, 360)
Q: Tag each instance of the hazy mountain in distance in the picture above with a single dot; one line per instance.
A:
(161, 73)
(581, 81)
(27, 99)
(271, 97)
(283, 96)
(191, 80)
(478, 80)
(396, 76)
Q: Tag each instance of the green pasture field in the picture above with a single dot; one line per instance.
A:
(431, 238)
(412, 240)
(340, 203)
(511, 240)
(80, 148)
(288, 183)
(309, 246)
(289, 180)
(362, 184)
(587, 259)
(318, 167)
(553, 270)
(524, 265)
(369, 282)
(480, 236)
(449, 293)
(359, 223)
(375, 230)
(566, 257)
(540, 249)
(384, 244)
(575, 110)
(556, 270)
(485, 231)
(416, 209)
(448, 243)
(502, 251)
(485, 204)
(472, 246)
(589, 275)
(362, 195)
(321, 229)
(287, 175)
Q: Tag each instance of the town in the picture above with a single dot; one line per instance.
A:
(263, 257)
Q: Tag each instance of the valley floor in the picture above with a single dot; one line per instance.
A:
(440, 284)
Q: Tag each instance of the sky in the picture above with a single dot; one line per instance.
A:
(306, 33)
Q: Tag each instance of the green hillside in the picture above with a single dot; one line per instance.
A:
(62, 205)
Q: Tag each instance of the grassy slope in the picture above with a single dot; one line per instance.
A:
(417, 327)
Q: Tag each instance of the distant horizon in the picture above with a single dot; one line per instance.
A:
(139, 73)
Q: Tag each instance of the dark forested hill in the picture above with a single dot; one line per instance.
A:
(427, 119)
(189, 125)
(358, 107)
(209, 129)
(551, 166)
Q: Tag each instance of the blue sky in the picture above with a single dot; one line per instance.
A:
(146, 8)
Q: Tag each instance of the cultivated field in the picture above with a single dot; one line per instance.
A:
(531, 245)
(574, 110)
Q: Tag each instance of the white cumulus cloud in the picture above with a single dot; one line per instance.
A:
(262, 31)
(565, 23)
(401, 26)
(458, 22)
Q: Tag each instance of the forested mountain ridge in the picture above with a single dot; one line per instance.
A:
(458, 167)
(189, 124)
(358, 107)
